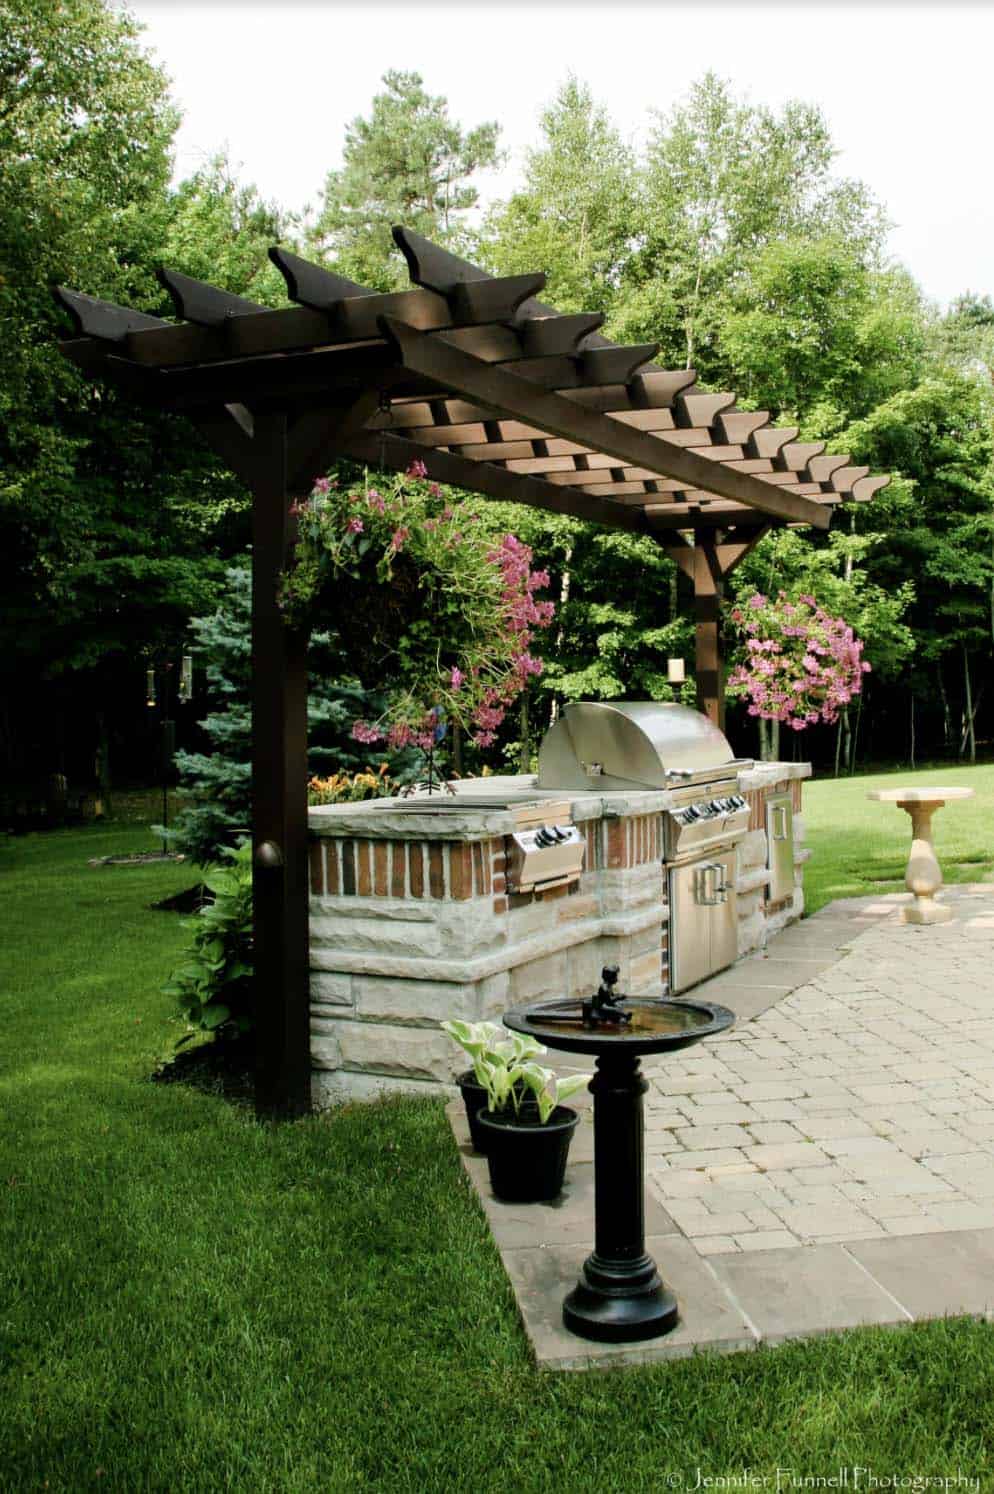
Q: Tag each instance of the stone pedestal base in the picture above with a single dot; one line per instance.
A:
(926, 910)
(923, 877)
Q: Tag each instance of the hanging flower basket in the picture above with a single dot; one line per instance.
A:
(431, 609)
(801, 664)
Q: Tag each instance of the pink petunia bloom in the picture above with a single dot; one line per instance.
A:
(354, 526)
(417, 468)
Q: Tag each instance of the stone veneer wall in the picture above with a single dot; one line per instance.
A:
(411, 923)
(758, 916)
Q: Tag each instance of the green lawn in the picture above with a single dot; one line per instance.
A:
(192, 1301)
(860, 846)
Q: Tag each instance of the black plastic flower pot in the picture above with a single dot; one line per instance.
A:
(474, 1097)
(527, 1160)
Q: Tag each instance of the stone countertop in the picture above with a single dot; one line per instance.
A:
(764, 775)
(918, 795)
(438, 818)
(419, 819)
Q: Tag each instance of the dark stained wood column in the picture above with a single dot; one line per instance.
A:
(712, 557)
(279, 796)
(709, 587)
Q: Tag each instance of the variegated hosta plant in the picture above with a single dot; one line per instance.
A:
(548, 1090)
(502, 1064)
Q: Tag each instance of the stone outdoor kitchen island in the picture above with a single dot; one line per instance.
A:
(412, 923)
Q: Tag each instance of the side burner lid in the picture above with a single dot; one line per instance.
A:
(626, 744)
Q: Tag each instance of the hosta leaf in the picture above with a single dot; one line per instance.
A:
(214, 1015)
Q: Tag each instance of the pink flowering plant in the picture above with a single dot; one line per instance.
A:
(801, 664)
(432, 610)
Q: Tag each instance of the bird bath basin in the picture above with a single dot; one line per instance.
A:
(620, 1297)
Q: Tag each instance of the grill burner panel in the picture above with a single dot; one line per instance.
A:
(545, 850)
(703, 823)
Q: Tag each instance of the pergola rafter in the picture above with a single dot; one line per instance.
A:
(494, 392)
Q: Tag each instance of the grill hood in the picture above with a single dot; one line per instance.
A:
(630, 744)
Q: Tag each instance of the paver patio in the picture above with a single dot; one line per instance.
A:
(827, 1162)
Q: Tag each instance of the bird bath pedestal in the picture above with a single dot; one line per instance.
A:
(923, 877)
(620, 1297)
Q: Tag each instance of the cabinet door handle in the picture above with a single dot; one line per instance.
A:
(781, 833)
(709, 892)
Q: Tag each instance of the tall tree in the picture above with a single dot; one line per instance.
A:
(722, 179)
(85, 130)
(407, 163)
(113, 523)
(220, 230)
(809, 331)
(578, 212)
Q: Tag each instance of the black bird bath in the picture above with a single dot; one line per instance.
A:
(620, 1297)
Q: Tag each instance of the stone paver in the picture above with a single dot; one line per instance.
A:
(864, 1094)
(827, 1163)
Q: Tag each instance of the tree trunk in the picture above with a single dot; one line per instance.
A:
(564, 585)
(525, 749)
(855, 735)
(769, 740)
(947, 724)
(846, 729)
(969, 732)
(101, 768)
(912, 733)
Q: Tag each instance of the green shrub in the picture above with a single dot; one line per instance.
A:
(214, 984)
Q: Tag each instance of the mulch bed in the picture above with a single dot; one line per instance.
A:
(224, 1068)
(143, 858)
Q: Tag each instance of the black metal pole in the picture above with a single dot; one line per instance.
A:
(620, 1297)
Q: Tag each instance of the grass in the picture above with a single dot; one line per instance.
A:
(192, 1301)
(861, 846)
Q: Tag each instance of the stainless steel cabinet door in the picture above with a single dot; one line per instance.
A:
(703, 920)
(724, 915)
(780, 847)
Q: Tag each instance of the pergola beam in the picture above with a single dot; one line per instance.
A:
(505, 391)
(492, 482)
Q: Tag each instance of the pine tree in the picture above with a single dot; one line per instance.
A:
(219, 782)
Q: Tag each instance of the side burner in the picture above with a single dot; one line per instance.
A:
(620, 1297)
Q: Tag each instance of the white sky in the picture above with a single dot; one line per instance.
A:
(906, 90)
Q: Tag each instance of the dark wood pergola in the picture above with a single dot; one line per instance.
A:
(494, 392)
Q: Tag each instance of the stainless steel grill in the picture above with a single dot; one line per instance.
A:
(631, 745)
(601, 745)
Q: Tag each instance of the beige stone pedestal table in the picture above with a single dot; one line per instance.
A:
(923, 877)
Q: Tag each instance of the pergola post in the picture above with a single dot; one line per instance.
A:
(279, 795)
(707, 562)
(709, 588)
